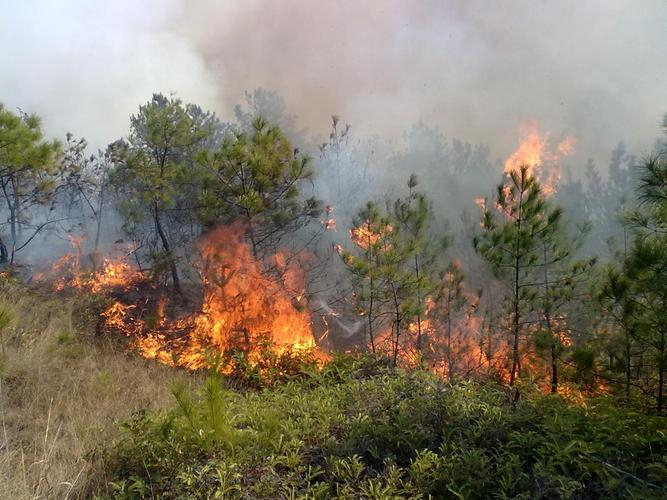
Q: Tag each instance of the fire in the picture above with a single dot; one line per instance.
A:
(481, 203)
(91, 273)
(329, 223)
(246, 302)
(243, 303)
(114, 274)
(365, 237)
(67, 271)
(535, 153)
(118, 316)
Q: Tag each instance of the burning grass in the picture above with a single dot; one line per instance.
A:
(349, 428)
(244, 303)
(243, 306)
(251, 319)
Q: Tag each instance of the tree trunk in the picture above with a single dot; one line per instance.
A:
(397, 322)
(251, 235)
(371, 292)
(419, 304)
(13, 213)
(517, 269)
(12, 222)
(4, 255)
(661, 371)
(628, 365)
(554, 369)
(547, 320)
(450, 358)
(515, 347)
(167, 249)
(371, 337)
(98, 220)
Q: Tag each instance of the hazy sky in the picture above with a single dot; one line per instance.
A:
(476, 69)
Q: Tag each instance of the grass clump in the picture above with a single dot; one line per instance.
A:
(62, 393)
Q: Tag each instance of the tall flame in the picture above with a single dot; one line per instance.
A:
(541, 159)
(244, 303)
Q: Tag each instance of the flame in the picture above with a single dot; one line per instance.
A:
(243, 303)
(329, 223)
(365, 237)
(535, 153)
(246, 302)
(72, 271)
(119, 316)
(362, 236)
(481, 203)
(529, 153)
(114, 274)
(68, 272)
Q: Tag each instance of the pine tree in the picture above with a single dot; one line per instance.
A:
(449, 306)
(562, 276)
(423, 248)
(394, 267)
(646, 265)
(615, 295)
(28, 168)
(367, 264)
(156, 173)
(513, 233)
(258, 177)
(633, 292)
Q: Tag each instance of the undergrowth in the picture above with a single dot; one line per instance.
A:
(80, 418)
(63, 391)
(358, 429)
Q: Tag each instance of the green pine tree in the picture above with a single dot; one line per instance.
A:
(394, 268)
(28, 171)
(157, 174)
(258, 177)
(514, 231)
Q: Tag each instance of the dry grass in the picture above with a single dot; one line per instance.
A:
(62, 391)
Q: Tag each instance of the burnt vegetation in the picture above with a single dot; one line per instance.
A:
(338, 319)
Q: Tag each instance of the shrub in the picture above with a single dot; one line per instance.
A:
(361, 430)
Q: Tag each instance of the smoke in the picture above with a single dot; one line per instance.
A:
(475, 69)
(85, 67)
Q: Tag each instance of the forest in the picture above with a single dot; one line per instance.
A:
(213, 309)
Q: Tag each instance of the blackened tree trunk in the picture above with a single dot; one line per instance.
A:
(167, 249)
(4, 255)
(661, 371)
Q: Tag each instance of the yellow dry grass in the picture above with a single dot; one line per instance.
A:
(62, 393)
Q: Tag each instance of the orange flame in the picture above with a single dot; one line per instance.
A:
(535, 153)
(114, 274)
(243, 302)
(364, 237)
(246, 302)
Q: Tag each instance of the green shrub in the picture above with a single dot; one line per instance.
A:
(264, 366)
(359, 429)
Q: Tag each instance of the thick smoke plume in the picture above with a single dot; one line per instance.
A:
(475, 69)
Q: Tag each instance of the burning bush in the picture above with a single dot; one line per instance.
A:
(247, 306)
